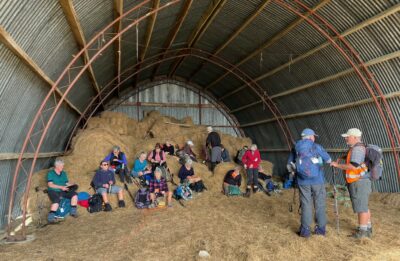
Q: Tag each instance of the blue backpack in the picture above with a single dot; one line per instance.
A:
(183, 191)
(308, 162)
(64, 208)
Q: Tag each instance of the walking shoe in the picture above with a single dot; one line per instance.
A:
(107, 207)
(304, 232)
(361, 234)
(121, 204)
(51, 218)
(320, 231)
(247, 194)
(74, 212)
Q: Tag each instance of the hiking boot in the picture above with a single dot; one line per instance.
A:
(73, 212)
(361, 234)
(320, 231)
(255, 190)
(51, 218)
(304, 232)
(247, 194)
(121, 204)
(152, 205)
(107, 207)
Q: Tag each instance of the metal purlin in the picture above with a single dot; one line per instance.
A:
(354, 59)
(71, 76)
(177, 53)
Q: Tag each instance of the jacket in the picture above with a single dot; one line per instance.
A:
(250, 158)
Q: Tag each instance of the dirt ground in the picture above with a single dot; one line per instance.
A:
(235, 228)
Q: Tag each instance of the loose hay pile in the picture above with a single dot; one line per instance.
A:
(258, 228)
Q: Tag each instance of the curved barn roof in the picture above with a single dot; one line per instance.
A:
(277, 67)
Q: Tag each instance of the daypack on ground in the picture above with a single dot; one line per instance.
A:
(64, 208)
(307, 159)
(142, 198)
(183, 192)
(198, 186)
(374, 160)
(95, 203)
(234, 191)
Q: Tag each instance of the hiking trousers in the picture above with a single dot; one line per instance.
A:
(252, 177)
(313, 195)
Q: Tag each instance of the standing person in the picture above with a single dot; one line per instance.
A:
(118, 162)
(214, 143)
(251, 161)
(104, 183)
(310, 157)
(57, 182)
(358, 181)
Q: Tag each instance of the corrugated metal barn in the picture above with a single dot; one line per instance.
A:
(265, 69)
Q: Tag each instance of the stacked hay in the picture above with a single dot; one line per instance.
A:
(92, 144)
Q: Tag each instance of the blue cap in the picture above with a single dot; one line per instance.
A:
(308, 132)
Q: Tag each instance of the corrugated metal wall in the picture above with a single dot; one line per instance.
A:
(172, 93)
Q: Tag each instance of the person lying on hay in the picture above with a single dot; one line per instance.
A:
(186, 175)
(58, 188)
(118, 162)
(232, 182)
(159, 188)
(104, 184)
(157, 157)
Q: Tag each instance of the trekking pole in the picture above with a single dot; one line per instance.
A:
(336, 202)
(294, 196)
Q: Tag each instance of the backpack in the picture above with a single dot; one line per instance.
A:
(142, 198)
(308, 162)
(197, 186)
(374, 161)
(95, 203)
(183, 192)
(64, 208)
(234, 191)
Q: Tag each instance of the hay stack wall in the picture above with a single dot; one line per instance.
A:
(92, 144)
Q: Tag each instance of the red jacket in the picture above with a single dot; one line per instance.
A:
(251, 158)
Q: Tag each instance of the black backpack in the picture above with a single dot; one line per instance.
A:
(198, 186)
(95, 203)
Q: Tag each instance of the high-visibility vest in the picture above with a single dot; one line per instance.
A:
(354, 175)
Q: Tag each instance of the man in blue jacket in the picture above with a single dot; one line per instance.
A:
(310, 158)
(104, 183)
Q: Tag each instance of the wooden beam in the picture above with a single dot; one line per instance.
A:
(9, 42)
(15, 156)
(173, 33)
(149, 30)
(306, 86)
(207, 18)
(118, 11)
(72, 18)
(360, 26)
(234, 35)
(271, 41)
(324, 110)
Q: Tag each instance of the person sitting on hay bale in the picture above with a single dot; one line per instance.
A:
(118, 162)
(186, 175)
(139, 166)
(159, 188)
(188, 150)
(59, 187)
(232, 182)
(251, 161)
(157, 157)
(225, 157)
(104, 184)
(168, 148)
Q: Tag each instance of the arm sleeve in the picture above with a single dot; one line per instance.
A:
(165, 186)
(324, 155)
(151, 186)
(108, 157)
(96, 180)
(357, 155)
(240, 180)
(150, 156)
(181, 173)
(124, 159)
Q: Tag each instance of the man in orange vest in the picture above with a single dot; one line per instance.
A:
(358, 182)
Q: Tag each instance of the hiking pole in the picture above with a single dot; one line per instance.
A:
(294, 195)
(130, 194)
(336, 202)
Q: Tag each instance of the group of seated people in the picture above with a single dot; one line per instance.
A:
(148, 167)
